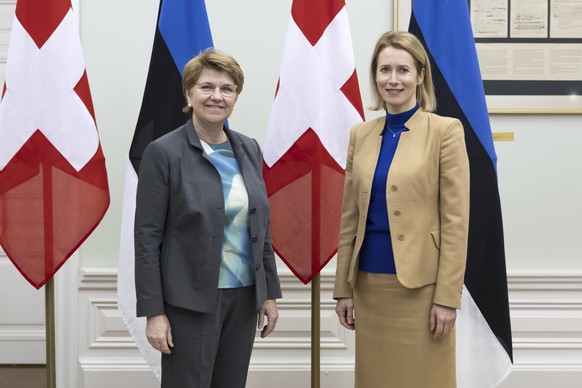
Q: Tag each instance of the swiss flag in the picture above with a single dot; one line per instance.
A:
(316, 104)
(53, 182)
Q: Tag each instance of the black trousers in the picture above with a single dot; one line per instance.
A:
(212, 350)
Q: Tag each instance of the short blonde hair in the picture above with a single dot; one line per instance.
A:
(215, 60)
(405, 41)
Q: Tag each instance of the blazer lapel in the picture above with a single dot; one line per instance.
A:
(194, 140)
(371, 151)
(406, 145)
(239, 149)
(242, 155)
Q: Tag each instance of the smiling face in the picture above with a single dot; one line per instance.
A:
(397, 79)
(211, 110)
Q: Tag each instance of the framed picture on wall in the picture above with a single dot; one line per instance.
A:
(530, 53)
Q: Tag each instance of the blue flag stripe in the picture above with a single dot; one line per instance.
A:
(186, 32)
(439, 21)
(185, 28)
(182, 30)
(485, 275)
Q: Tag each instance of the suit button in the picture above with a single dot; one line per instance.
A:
(253, 210)
(257, 266)
(400, 237)
(393, 187)
(396, 212)
(255, 238)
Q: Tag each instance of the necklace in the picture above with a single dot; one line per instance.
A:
(395, 133)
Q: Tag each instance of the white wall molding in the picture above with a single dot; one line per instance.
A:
(67, 323)
(98, 279)
(94, 348)
(22, 332)
(546, 315)
(546, 311)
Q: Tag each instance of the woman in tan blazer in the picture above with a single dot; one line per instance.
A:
(404, 227)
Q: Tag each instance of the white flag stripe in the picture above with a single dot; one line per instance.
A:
(309, 93)
(481, 360)
(40, 95)
(126, 297)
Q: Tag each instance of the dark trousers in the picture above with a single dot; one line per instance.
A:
(212, 350)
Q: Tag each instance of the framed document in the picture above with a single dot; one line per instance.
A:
(530, 53)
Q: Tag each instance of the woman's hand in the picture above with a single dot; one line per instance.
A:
(344, 308)
(442, 320)
(269, 309)
(159, 333)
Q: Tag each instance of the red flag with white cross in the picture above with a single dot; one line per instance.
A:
(53, 181)
(316, 104)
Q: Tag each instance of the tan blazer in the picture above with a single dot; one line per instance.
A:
(427, 194)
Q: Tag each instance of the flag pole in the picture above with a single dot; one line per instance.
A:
(49, 308)
(316, 192)
(315, 331)
(49, 288)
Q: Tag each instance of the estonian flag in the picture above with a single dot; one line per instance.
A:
(182, 32)
(484, 347)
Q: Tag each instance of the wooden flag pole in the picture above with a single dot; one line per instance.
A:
(49, 308)
(315, 331)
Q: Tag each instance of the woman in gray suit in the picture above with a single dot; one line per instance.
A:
(204, 264)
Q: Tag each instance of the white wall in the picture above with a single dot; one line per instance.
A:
(117, 38)
(539, 172)
(539, 176)
(540, 184)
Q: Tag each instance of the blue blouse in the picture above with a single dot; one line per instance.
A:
(237, 266)
(376, 254)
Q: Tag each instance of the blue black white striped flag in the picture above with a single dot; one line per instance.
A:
(484, 346)
(182, 31)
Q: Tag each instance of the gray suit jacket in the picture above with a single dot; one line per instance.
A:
(179, 223)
